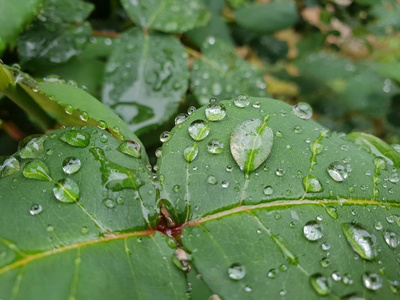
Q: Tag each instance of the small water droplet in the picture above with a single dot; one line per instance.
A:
(35, 209)
(191, 110)
(190, 153)
(321, 284)
(362, 242)
(165, 136)
(236, 272)
(212, 180)
(337, 171)
(312, 184)
(131, 148)
(215, 147)
(198, 130)
(268, 190)
(336, 276)
(347, 279)
(332, 211)
(102, 124)
(372, 281)
(280, 172)
(75, 138)
(9, 166)
(242, 100)
(325, 262)
(179, 119)
(272, 273)
(84, 116)
(109, 203)
(215, 111)
(325, 246)
(71, 165)
(391, 238)
(312, 231)
(296, 129)
(302, 110)
(158, 152)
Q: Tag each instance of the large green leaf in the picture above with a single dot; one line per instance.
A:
(319, 215)
(220, 73)
(267, 18)
(14, 15)
(146, 77)
(172, 16)
(102, 233)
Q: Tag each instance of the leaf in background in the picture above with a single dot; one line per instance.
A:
(267, 18)
(14, 15)
(53, 249)
(220, 73)
(171, 16)
(273, 226)
(216, 27)
(146, 77)
(59, 34)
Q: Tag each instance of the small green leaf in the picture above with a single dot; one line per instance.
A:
(171, 16)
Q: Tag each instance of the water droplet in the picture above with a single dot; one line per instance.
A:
(336, 276)
(66, 190)
(302, 110)
(362, 242)
(102, 124)
(75, 138)
(165, 136)
(251, 144)
(71, 165)
(325, 262)
(337, 171)
(35, 209)
(179, 119)
(215, 147)
(158, 152)
(372, 281)
(236, 272)
(69, 109)
(215, 111)
(268, 190)
(242, 100)
(37, 170)
(32, 146)
(9, 166)
(212, 180)
(84, 229)
(312, 231)
(109, 203)
(296, 129)
(280, 172)
(325, 246)
(347, 279)
(131, 148)
(391, 238)
(332, 211)
(272, 273)
(103, 138)
(191, 110)
(190, 153)
(198, 130)
(278, 134)
(312, 184)
(84, 116)
(321, 284)
(177, 188)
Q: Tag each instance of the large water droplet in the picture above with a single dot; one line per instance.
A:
(9, 166)
(215, 111)
(131, 148)
(321, 284)
(71, 165)
(37, 170)
(215, 147)
(199, 130)
(242, 100)
(66, 190)
(303, 110)
(251, 144)
(391, 238)
(312, 184)
(337, 171)
(35, 209)
(236, 272)
(75, 138)
(32, 146)
(312, 231)
(362, 242)
(372, 281)
(190, 153)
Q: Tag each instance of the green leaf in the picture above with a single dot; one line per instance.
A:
(14, 15)
(267, 18)
(146, 77)
(171, 16)
(267, 227)
(220, 73)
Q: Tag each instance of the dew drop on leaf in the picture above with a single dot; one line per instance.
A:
(75, 138)
(312, 184)
(131, 148)
(215, 147)
(280, 172)
(9, 166)
(332, 211)
(191, 152)
(212, 180)
(165, 136)
(251, 144)
(372, 281)
(272, 273)
(268, 190)
(312, 231)
(158, 152)
(66, 190)
(179, 119)
(37, 170)
(302, 110)
(215, 111)
(32, 146)
(321, 284)
(199, 130)
(362, 241)
(109, 203)
(391, 238)
(241, 101)
(71, 165)
(191, 110)
(35, 209)
(236, 272)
